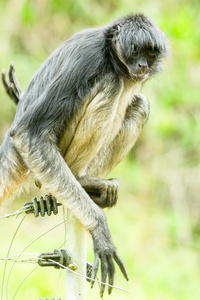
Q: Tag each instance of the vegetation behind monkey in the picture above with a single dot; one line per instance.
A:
(80, 115)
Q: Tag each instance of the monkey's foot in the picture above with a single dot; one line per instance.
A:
(12, 86)
(107, 255)
(104, 192)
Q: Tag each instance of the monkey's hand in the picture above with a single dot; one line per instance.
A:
(12, 87)
(104, 192)
(105, 251)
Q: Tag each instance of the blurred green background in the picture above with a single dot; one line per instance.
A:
(156, 223)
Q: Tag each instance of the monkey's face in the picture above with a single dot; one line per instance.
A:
(138, 47)
(139, 63)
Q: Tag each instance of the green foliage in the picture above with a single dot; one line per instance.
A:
(28, 14)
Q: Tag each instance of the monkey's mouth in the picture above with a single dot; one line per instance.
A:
(139, 76)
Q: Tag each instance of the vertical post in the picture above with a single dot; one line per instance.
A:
(76, 245)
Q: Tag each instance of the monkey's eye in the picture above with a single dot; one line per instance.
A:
(151, 54)
(135, 53)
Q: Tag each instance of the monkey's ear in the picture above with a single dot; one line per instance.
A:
(115, 34)
(115, 38)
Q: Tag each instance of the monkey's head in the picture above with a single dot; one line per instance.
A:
(137, 47)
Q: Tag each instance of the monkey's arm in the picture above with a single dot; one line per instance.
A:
(38, 154)
(12, 87)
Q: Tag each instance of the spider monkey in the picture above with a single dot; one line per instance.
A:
(79, 117)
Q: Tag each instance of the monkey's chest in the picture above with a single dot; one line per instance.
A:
(98, 127)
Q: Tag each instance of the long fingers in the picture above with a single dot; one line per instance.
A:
(107, 270)
(3, 77)
(121, 265)
(111, 274)
(10, 87)
(104, 272)
(13, 79)
(95, 269)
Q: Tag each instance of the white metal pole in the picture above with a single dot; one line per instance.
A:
(76, 245)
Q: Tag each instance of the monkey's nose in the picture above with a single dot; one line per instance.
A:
(142, 67)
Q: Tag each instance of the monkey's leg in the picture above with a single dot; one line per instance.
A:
(104, 192)
(12, 171)
(136, 116)
(39, 152)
